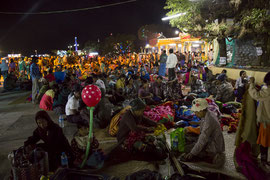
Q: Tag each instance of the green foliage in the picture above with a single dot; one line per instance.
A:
(151, 31)
(121, 43)
(256, 19)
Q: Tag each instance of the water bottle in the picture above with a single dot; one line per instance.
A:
(61, 121)
(64, 160)
(175, 143)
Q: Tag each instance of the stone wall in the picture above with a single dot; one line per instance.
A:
(245, 53)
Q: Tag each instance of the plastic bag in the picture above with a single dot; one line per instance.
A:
(177, 138)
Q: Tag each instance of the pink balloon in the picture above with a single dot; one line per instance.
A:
(91, 95)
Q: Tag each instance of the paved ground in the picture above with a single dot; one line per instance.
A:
(17, 123)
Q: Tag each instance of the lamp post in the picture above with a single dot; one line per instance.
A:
(69, 47)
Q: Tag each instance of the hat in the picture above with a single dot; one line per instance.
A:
(199, 104)
(137, 104)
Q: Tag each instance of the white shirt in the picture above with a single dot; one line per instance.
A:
(171, 61)
(72, 104)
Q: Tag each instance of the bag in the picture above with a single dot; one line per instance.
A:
(177, 139)
(30, 167)
(96, 160)
(113, 129)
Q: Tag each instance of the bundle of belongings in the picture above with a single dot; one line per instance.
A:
(30, 166)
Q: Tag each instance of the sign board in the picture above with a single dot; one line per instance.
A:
(223, 61)
(259, 51)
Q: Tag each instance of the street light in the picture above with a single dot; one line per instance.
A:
(176, 32)
(173, 16)
(69, 47)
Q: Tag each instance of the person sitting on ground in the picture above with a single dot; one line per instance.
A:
(223, 72)
(54, 140)
(144, 93)
(79, 145)
(42, 91)
(145, 75)
(210, 145)
(46, 102)
(103, 111)
(72, 106)
(10, 81)
(240, 85)
(225, 91)
(24, 82)
(158, 89)
(130, 91)
(50, 77)
(187, 77)
(132, 133)
(137, 83)
(120, 83)
(197, 87)
(97, 81)
(60, 99)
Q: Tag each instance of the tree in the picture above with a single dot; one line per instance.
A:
(91, 46)
(209, 20)
(254, 20)
(119, 44)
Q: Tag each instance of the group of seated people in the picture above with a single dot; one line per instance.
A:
(134, 134)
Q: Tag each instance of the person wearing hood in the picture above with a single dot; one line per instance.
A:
(54, 140)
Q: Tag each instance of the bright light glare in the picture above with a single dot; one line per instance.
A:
(93, 54)
(176, 32)
(173, 16)
(195, 45)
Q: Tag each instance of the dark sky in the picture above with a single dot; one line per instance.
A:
(25, 33)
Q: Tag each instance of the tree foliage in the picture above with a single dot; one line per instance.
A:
(151, 31)
(221, 19)
(119, 44)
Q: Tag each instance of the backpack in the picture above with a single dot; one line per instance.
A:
(113, 129)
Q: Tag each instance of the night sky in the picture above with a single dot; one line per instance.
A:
(25, 33)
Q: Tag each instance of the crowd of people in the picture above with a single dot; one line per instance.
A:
(131, 83)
